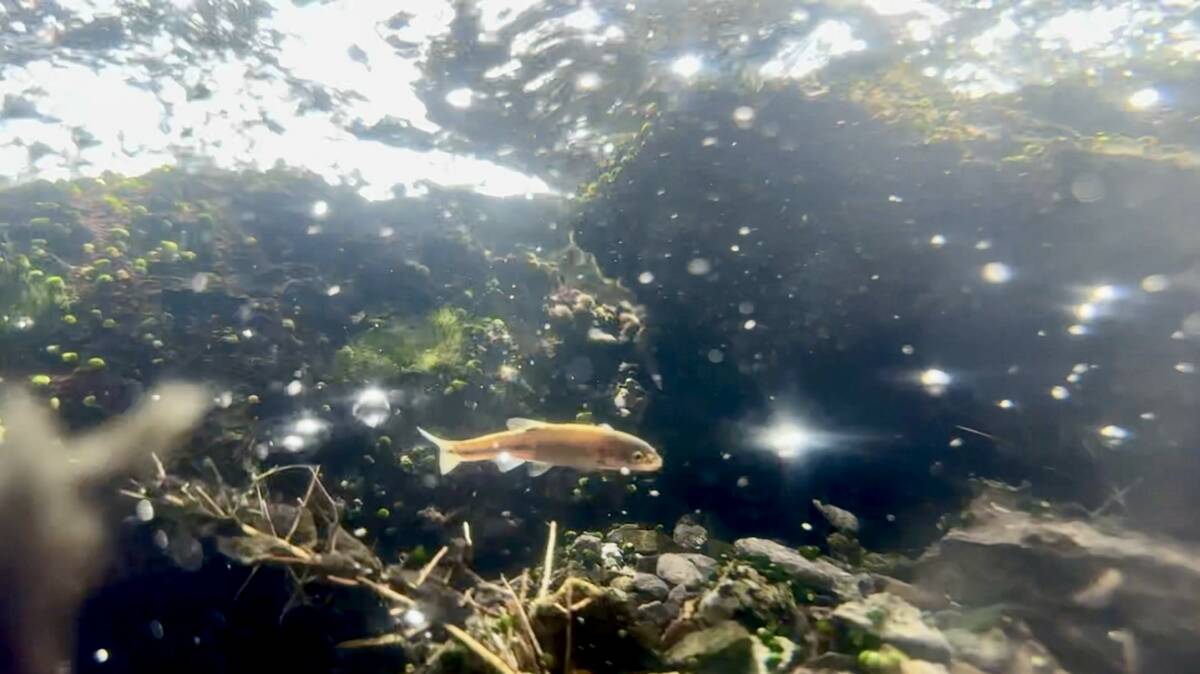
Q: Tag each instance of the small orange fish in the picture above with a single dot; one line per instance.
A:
(545, 445)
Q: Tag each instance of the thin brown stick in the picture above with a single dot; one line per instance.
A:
(293, 549)
(373, 642)
(246, 583)
(386, 592)
(262, 505)
(523, 619)
(480, 650)
(314, 484)
(160, 471)
(430, 566)
(303, 506)
(218, 510)
(548, 562)
(567, 667)
(501, 648)
(279, 469)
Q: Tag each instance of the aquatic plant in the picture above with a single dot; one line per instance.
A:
(435, 344)
(27, 294)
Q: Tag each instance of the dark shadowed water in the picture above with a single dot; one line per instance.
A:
(862, 252)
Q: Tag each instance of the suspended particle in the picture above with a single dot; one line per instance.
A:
(996, 272)
(743, 117)
(699, 266)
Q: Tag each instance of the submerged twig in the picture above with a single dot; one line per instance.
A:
(212, 505)
(371, 642)
(567, 668)
(480, 650)
(160, 471)
(295, 550)
(431, 565)
(266, 512)
(303, 504)
(548, 562)
(523, 619)
(386, 592)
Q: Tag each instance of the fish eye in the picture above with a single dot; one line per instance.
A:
(639, 456)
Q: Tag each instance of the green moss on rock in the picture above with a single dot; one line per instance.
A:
(436, 344)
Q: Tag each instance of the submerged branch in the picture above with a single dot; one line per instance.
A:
(430, 566)
(548, 563)
(480, 650)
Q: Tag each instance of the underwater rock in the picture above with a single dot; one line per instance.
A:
(689, 536)
(842, 520)
(919, 597)
(922, 667)
(896, 622)
(586, 546)
(688, 569)
(990, 650)
(818, 574)
(678, 595)
(831, 661)
(650, 585)
(641, 541)
(611, 557)
(958, 667)
(605, 633)
(722, 649)
(707, 565)
(1079, 572)
(656, 613)
(845, 548)
(643, 587)
(728, 648)
(744, 595)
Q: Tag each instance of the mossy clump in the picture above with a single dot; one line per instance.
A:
(26, 291)
(436, 344)
(886, 660)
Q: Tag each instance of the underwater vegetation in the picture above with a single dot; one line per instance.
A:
(365, 532)
(183, 273)
(435, 344)
(721, 239)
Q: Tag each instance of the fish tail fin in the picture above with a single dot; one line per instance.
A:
(447, 459)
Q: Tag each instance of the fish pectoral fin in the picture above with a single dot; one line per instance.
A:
(521, 424)
(506, 462)
(538, 468)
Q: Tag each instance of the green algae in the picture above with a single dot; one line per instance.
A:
(27, 292)
(435, 344)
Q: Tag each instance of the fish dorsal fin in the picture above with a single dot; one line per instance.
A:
(538, 468)
(506, 462)
(605, 427)
(521, 424)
